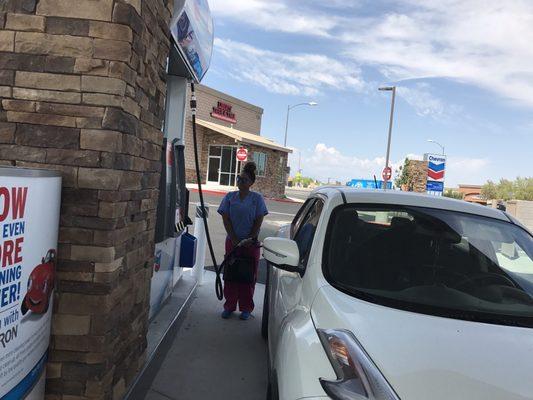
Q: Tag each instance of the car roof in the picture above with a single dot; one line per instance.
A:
(373, 196)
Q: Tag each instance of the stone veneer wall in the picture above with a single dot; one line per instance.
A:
(418, 171)
(82, 90)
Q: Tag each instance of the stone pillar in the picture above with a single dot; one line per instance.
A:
(418, 176)
(82, 90)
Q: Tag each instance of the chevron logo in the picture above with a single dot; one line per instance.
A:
(437, 167)
(436, 176)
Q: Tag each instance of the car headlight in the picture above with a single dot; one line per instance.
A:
(358, 378)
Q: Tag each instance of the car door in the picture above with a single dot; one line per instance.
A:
(285, 287)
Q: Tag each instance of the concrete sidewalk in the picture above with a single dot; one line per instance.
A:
(208, 357)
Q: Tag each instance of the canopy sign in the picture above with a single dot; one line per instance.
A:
(193, 30)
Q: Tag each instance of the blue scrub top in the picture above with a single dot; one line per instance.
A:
(243, 213)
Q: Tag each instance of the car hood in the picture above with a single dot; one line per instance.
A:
(425, 357)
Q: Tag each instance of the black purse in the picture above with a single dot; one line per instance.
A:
(239, 270)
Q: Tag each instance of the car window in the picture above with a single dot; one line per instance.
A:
(302, 212)
(306, 233)
(432, 261)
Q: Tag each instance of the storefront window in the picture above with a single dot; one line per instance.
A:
(260, 160)
(222, 167)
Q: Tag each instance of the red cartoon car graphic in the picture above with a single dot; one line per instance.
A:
(40, 285)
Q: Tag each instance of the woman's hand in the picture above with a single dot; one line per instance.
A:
(246, 242)
(234, 240)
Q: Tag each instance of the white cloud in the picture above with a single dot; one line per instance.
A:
(478, 42)
(467, 170)
(422, 100)
(486, 43)
(294, 74)
(325, 162)
(274, 15)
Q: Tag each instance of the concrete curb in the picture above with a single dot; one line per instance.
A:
(222, 193)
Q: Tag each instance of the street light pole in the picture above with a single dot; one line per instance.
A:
(387, 159)
(289, 108)
(438, 144)
(287, 125)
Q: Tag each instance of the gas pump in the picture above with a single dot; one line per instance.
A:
(190, 55)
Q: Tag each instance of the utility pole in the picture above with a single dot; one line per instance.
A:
(387, 159)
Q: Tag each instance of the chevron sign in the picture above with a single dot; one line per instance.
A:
(436, 167)
(436, 171)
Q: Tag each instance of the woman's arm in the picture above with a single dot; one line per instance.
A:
(229, 229)
(256, 227)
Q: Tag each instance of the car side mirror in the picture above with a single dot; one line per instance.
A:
(283, 253)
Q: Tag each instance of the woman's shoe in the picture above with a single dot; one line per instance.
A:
(245, 315)
(226, 314)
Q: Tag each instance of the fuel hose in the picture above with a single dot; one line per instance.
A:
(218, 269)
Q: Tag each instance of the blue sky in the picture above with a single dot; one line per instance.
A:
(464, 72)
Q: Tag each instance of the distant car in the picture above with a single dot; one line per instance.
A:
(389, 295)
(40, 286)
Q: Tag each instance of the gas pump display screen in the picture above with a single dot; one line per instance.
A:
(193, 32)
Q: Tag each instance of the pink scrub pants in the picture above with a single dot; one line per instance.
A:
(241, 293)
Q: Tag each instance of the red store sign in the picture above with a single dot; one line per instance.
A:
(223, 112)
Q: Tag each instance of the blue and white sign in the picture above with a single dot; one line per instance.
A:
(435, 188)
(194, 33)
(436, 173)
(367, 184)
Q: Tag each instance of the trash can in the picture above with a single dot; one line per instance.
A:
(29, 220)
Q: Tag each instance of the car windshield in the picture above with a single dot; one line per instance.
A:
(432, 261)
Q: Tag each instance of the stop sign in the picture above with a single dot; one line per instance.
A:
(242, 154)
(387, 174)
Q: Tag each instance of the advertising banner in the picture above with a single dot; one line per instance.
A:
(367, 184)
(194, 33)
(436, 173)
(29, 218)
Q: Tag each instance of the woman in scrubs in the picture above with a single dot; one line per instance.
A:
(242, 212)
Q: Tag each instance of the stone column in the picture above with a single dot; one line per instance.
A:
(82, 90)
(418, 173)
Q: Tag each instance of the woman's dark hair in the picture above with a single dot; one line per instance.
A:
(250, 168)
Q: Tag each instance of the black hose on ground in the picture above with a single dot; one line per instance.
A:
(218, 269)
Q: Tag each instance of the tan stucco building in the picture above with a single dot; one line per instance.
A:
(224, 125)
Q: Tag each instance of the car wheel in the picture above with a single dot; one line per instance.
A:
(264, 319)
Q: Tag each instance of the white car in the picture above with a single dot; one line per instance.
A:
(389, 295)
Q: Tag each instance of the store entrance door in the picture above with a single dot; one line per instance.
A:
(223, 165)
